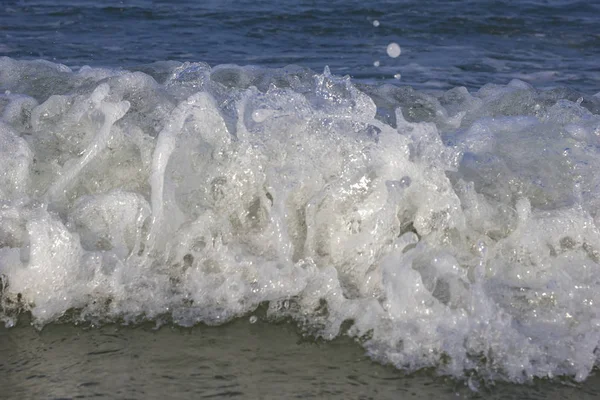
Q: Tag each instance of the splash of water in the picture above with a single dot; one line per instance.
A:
(453, 230)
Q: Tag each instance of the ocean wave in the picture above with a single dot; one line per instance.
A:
(447, 229)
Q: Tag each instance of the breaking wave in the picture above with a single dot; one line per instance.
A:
(447, 229)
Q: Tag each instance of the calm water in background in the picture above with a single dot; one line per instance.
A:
(444, 43)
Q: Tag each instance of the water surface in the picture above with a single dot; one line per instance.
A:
(444, 43)
(238, 360)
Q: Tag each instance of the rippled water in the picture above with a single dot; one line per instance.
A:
(444, 43)
(238, 360)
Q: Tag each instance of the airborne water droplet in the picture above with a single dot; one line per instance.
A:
(393, 50)
(375, 23)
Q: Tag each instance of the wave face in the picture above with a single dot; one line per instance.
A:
(451, 229)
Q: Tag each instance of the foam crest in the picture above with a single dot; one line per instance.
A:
(453, 230)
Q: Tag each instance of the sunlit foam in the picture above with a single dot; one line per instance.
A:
(451, 229)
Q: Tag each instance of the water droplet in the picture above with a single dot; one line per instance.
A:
(375, 23)
(376, 63)
(397, 76)
(393, 50)
(253, 319)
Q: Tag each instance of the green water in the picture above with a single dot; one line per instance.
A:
(241, 360)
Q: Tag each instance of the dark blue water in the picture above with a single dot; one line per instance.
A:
(444, 43)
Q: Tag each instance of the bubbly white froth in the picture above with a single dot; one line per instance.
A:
(454, 230)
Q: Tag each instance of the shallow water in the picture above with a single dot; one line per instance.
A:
(236, 360)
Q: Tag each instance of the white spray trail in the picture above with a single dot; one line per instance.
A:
(112, 113)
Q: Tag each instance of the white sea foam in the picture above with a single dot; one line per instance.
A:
(454, 230)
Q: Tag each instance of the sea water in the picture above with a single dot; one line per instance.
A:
(443, 43)
(453, 229)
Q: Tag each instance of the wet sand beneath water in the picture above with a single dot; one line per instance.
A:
(243, 360)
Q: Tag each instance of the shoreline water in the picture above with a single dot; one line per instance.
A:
(239, 359)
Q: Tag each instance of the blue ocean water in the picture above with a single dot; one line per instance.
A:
(418, 176)
(444, 43)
